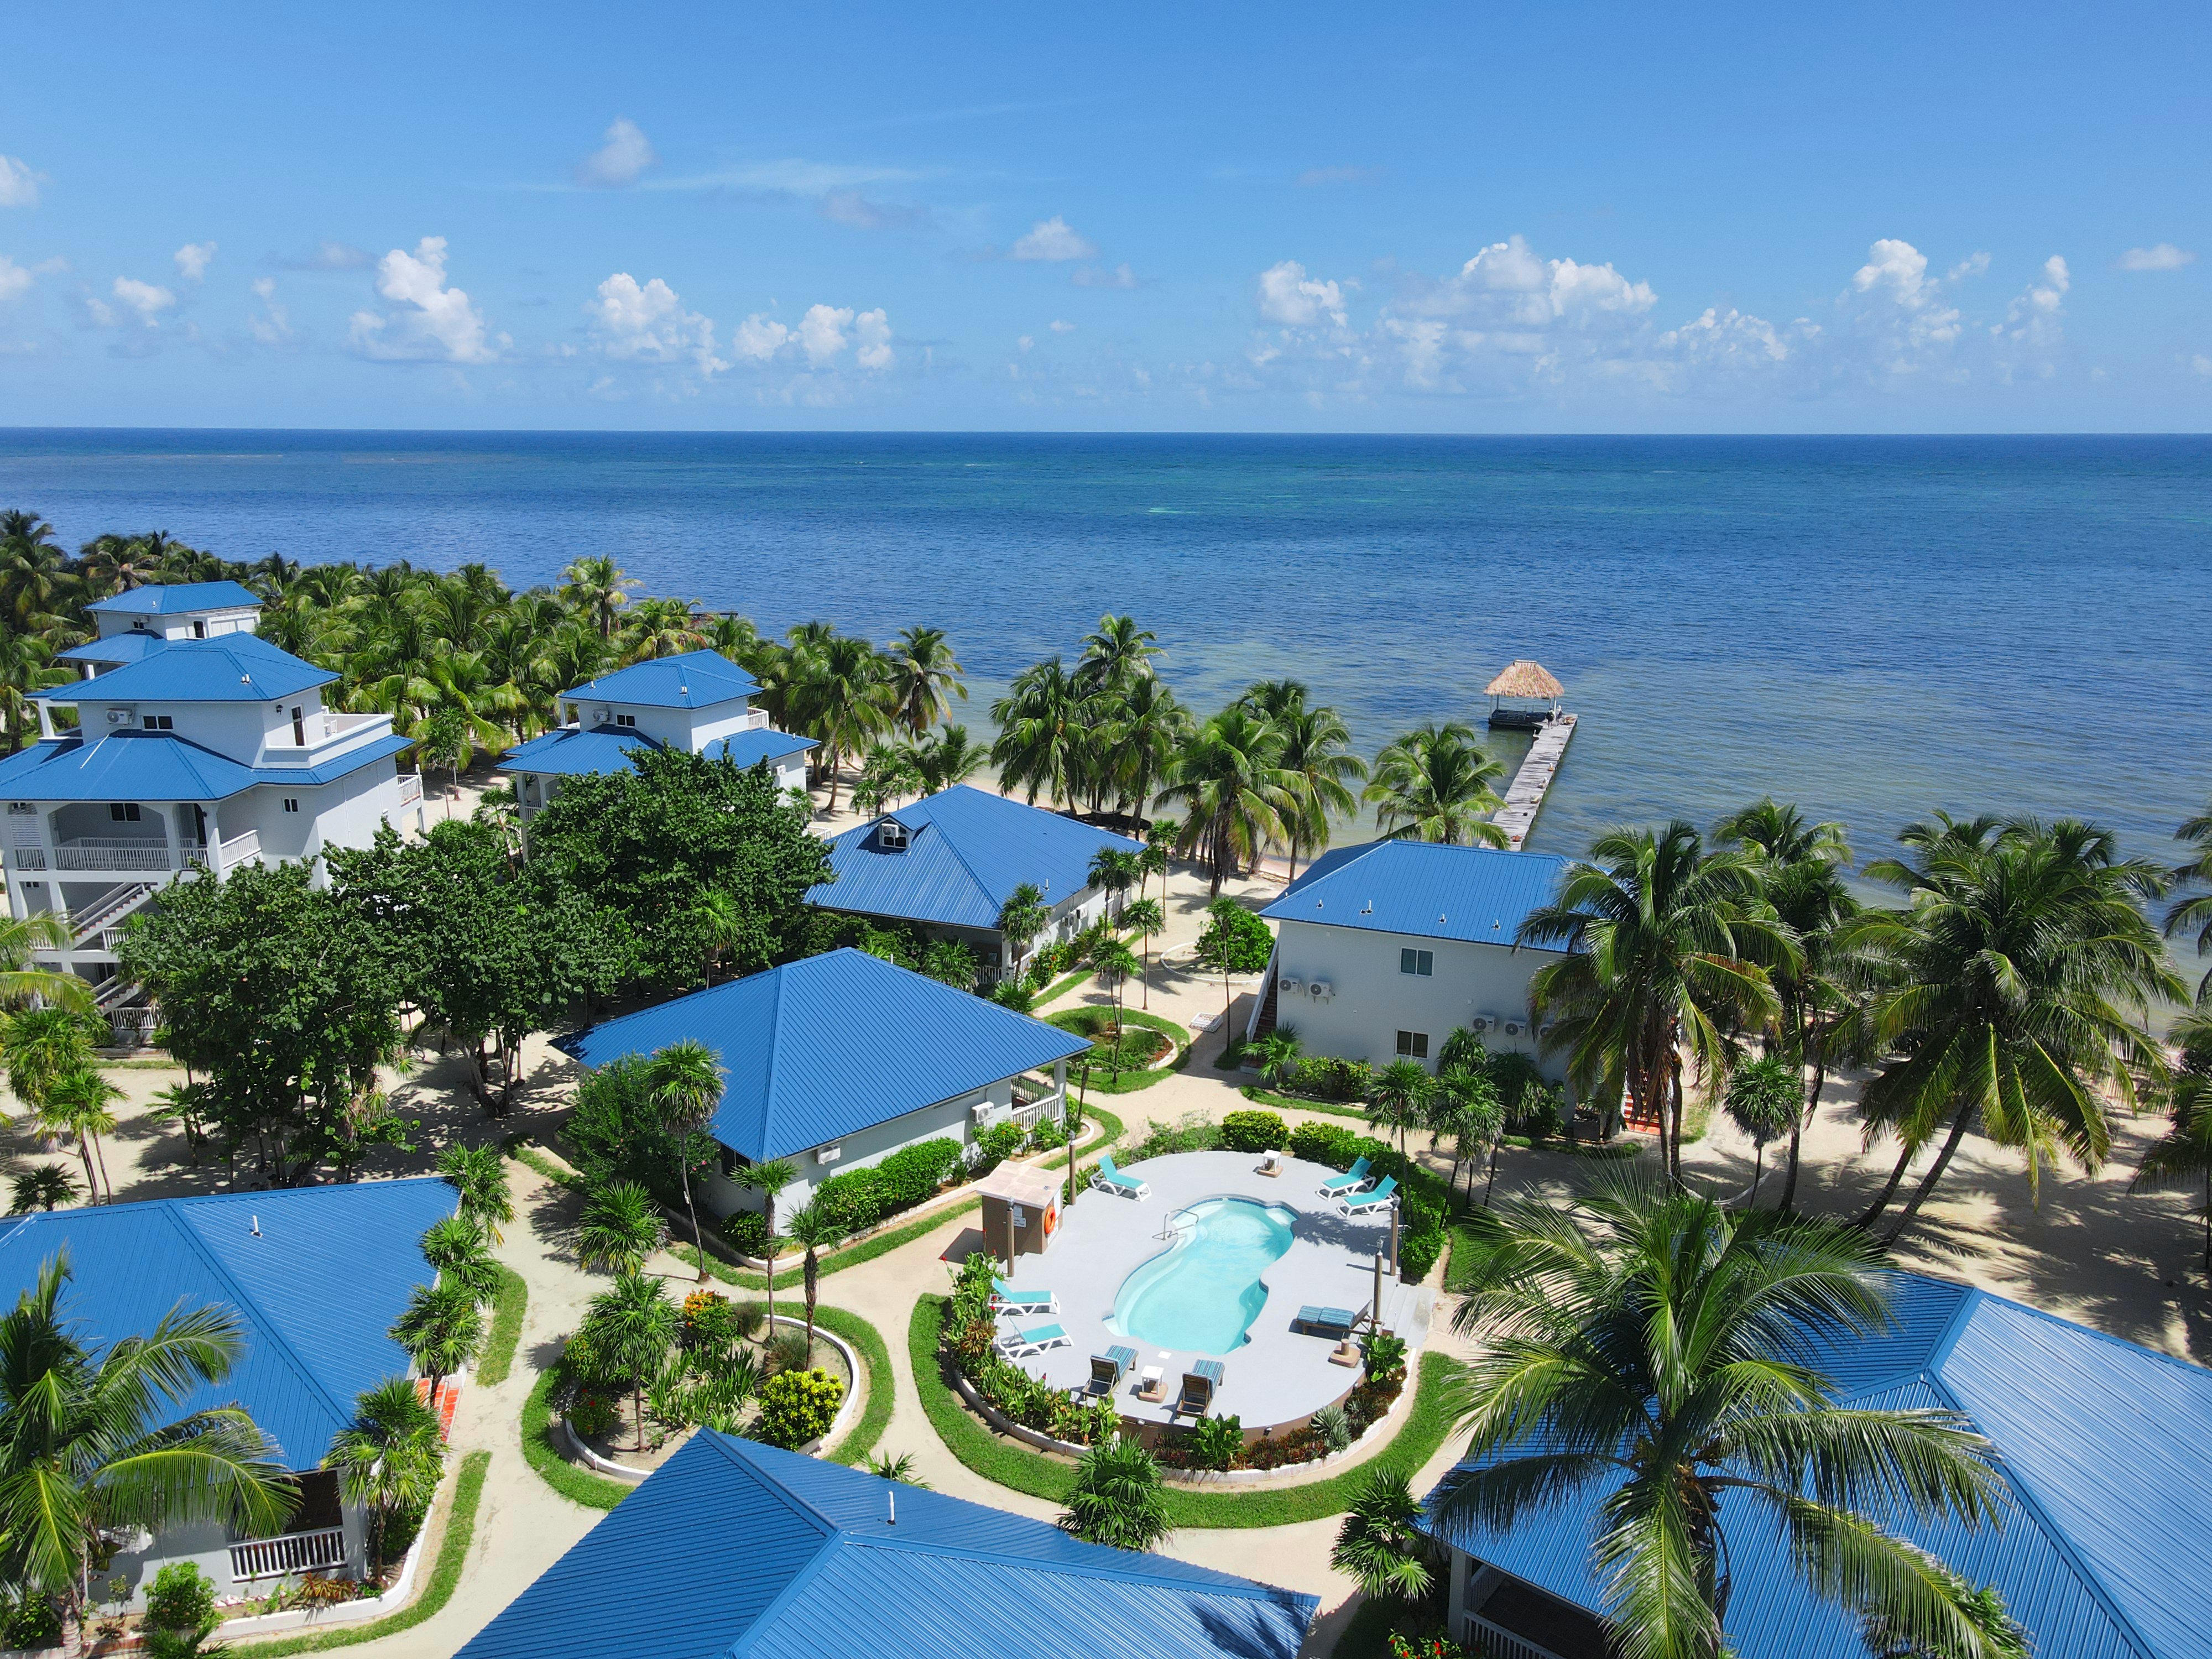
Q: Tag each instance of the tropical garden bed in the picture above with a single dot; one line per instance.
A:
(1135, 1055)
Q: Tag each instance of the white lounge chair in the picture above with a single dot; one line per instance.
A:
(1005, 1299)
(1351, 1181)
(1379, 1198)
(1108, 1179)
(1022, 1344)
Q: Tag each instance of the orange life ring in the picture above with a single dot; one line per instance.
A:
(1051, 1218)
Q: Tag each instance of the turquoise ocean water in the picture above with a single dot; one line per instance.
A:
(1874, 628)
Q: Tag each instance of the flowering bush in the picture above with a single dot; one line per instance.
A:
(799, 1406)
(709, 1322)
(590, 1415)
(1424, 1647)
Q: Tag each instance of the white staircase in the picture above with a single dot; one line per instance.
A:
(108, 909)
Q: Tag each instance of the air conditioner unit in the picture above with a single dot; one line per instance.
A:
(828, 1154)
(979, 1113)
(1547, 1028)
(1513, 1028)
(1486, 1022)
(122, 717)
(1321, 990)
(1290, 984)
(601, 716)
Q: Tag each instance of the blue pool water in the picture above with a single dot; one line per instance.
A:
(1202, 1294)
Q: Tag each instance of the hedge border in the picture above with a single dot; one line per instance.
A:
(509, 1305)
(1178, 1035)
(593, 1492)
(444, 1577)
(1418, 1438)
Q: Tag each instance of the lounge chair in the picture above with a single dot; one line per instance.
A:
(1335, 1322)
(1108, 1369)
(1351, 1181)
(1108, 1179)
(1379, 1198)
(1005, 1299)
(1199, 1384)
(1021, 1345)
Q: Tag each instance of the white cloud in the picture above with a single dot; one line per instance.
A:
(1061, 325)
(2201, 364)
(331, 255)
(1053, 240)
(14, 281)
(2164, 256)
(272, 327)
(761, 337)
(193, 260)
(823, 335)
(621, 160)
(1289, 296)
(425, 319)
(144, 300)
(821, 332)
(1098, 276)
(1027, 341)
(649, 325)
(2033, 324)
(791, 176)
(872, 339)
(850, 206)
(19, 185)
(1906, 315)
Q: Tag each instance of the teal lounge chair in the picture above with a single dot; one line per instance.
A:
(1351, 1181)
(1108, 1179)
(1022, 1344)
(1379, 1198)
(1005, 1299)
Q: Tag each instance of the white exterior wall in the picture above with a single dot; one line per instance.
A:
(948, 1120)
(722, 720)
(241, 619)
(207, 1546)
(1374, 1001)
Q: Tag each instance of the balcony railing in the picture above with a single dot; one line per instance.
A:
(1496, 1642)
(239, 848)
(333, 733)
(296, 1552)
(113, 853)
(411, 788)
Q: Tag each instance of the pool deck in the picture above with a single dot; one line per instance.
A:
(1279, 1375)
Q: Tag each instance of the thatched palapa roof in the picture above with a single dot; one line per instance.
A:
(1523, 678)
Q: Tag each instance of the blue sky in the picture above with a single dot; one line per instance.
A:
(1463, 219)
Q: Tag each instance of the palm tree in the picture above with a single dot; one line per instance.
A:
(441, 1328)
(1117, 654)
(1381, 1543)
(1800, 869)
(1116, 1497)
(1137, 729)
(1114, 870)
(662, 628)
(20, 982)
(849, 698)
(2184, 1153)
(924, 676)
(1115, 963)
(1144, 920)
(388, 1459)
(1021, 919)
(81, 1459)
(684, 1080)
(621, 1228)
(1278, 1053)
(1229, 777)
(40, 1187)
(478, 1173)
(1476, 1116)
(2195, 911)
(1433, 784)
(725, 923)
(596, 587)
(1655, 1352)
(26, 665)
(950, 756)
(456, 1252)
(2017, 980)
(1762, 1100)
(627, 1329)
(1398, 1099)
(768, 1180)
(1160, 837)
(815, 1228)
(1043, 734)
(1315, 758)
(1672, 946)
(81, 1101)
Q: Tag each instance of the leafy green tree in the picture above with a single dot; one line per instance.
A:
(1116, 1497)
(1021, 919)
(1230, 778)
(83, 1455)
(389, 1459)
(620, 1229)
(643, 848)
(441, 1328)
(286, 999)
(1648, 1347)
(767, 1179)
(1233, 941)
(478, 1173)
(1763, 1101)
(627, 1331)
(456, 1251)
(1672, 948)
(1381, 1542)
(1433, 784)
(814, 1227)
(686, 1081)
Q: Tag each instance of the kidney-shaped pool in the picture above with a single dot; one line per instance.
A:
(1202, 1293)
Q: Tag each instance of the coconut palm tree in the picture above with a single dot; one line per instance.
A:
(768, 1180)
(1398, 1099)
(1043, 733)
(1136, 729)
(1433, 784)
(81, 1101)
(1117, 654)
(1469, 1109)
(389, 1459)
(456, 1251)
(925, 677)
(1673, 948)
(1762, 1100)
(1315, 756)
(441, 1328)
(848, 700)
(620, 1229)
(26, 665)
(1143, 921)
(1381, 1543)
(2184, 1153)
(627, 1329)
(84, 1458)
(1230, 777)
(596, 587)
(684, 1081)
(1647, 1349)
(950, 756)
(2017, 983)
(1116, 1497)
(1114, 870)
(2195, 912)
(20, 982)
(40, 1187)
(478, 1173)
(1021, 919)
(817, 1229)
(662, 628)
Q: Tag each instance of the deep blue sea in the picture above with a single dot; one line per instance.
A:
(1873, 627)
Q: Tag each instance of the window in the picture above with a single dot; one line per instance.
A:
(625, 720)
(891, 834)
(291, 804)
(1412, 1045)
(161, 722)
(199, 631)
(299, 728)
(123, 811)
(1423, 963)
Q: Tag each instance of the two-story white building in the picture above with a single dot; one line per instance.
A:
(192, 744)
(701, 702)
(1382, 950)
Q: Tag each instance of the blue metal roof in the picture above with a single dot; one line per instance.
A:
(2107, 1553)
(826, 1046)
(1423, 889)
(568, 751)
(967, 850)
(159, 766)
(232, 668)
(761, 744)
(316, 1290)
(697, 680)
(734, 1548)
(115, 648)
(176, 599)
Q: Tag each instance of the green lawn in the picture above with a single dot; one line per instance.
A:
(498, 1356)
(1012, 1464)
(1103, 1080)
(1255, 1093)
(876, 1416)
(542, 1447)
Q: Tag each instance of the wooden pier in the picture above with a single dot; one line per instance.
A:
(1524, 797)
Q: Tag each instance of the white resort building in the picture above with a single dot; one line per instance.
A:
(190, 744)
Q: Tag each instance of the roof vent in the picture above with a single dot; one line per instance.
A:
(257, 1226)
(890, 1497)
(1367, 909)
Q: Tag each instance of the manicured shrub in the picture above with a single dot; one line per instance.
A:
(995, 1146)
(799, 1406)
(1012, 993)
(1192, 1133)
(852, 1200)
(915, 1173)
(1385, 1358)
(1254, 1131)
(180, 1611)
(746, 1231)
(590, 1415)
(710, 1322)
(1421, 1236)
(1327, 1078)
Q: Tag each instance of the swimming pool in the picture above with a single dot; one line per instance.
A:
(1202, 1293)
